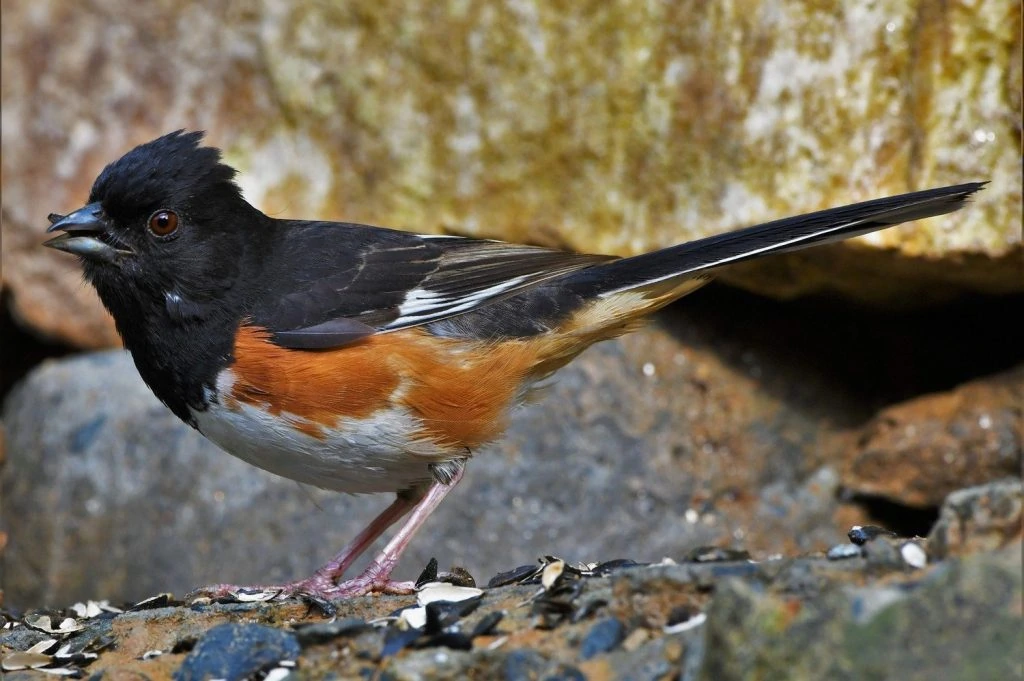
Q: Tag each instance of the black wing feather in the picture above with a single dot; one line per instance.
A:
(343, 279)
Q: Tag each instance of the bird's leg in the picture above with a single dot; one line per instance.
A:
(377, 576)
(327, 575)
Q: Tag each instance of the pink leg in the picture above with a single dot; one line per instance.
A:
(330, 572)
(376, 577)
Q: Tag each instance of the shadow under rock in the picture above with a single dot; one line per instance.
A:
(867, 358)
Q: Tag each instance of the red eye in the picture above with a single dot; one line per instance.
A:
(163, 222)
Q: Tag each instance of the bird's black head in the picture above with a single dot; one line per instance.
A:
(169, 244)
(165, 231)
(172, 170)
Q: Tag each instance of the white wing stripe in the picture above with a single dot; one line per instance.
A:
(420, 300)
(423, 304)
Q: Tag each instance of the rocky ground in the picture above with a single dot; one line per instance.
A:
(945, 607)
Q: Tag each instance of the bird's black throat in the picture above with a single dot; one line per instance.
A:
(177, 355)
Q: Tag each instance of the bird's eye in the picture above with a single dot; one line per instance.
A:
(164, 222)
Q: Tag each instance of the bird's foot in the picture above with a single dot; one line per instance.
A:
(319, 587)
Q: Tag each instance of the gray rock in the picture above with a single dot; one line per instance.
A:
(960, 622)
(603, 637)
(523, 665)
(518, 665)
(844, 551)
(108, 495)
(883, 554)
(979, 518)
(237, 651)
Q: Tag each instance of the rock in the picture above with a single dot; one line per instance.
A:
(844, 551)
(910, 638)
(237, 651)
(979, 519)
(523, 665)
(659, 660)
(753, 634)
(506, 122)
(917, 452)
(603, 637)
(565, 672)
(519, 665)
(883, 554)
(853, 632)
(792, 618)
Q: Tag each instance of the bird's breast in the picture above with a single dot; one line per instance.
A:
(367, 417)
(356, 454)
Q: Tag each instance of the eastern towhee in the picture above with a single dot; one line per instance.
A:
(363, 359)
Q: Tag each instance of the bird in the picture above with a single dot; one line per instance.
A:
(363, 359)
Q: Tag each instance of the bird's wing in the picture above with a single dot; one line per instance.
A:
(344, 285)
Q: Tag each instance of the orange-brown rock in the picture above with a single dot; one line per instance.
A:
(919, 451)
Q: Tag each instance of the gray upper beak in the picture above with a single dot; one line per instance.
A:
(83, 232)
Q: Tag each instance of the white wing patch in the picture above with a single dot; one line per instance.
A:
(419, 301)
(423, 305)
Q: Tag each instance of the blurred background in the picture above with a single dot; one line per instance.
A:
(767, 412)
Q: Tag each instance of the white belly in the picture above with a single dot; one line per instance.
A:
(357, 456)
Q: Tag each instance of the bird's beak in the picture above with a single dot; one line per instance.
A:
(84, 232)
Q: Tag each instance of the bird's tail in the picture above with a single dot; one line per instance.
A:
(697, 258)
(624, 290)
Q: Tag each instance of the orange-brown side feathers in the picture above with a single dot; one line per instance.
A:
(463, 395)
(320, 387)
(459, 390)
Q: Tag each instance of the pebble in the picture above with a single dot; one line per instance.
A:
(844, 551)
(564, 672)
(883, 554)
(914, 555)
(604, 636)
(523, 665)
(236, 651)
(862, 534)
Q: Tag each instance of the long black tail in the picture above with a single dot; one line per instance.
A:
(693, 259)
